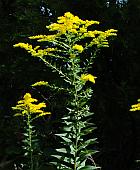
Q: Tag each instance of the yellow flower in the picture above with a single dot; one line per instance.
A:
(36, 52)
(26, 46)
(40, 83)
(44, 37)
(27, 99)
(27, 106)
(72, 55)
(92, 33)
(88, 77)
(89, 23)
(111, 32)
(68, 15)
(43, 114)
(73, 27)
(135, 107)
(37, 37)
(82, 30)
(70, 23)
(79, 48)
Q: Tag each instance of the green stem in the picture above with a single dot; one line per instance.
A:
(90, 61)
(30, 142)
(76, 109)
(76, 105)
(56, 69)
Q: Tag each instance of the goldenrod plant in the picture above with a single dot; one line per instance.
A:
(70, 40)
(28, 109)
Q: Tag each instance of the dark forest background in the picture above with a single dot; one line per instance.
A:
(117, 69)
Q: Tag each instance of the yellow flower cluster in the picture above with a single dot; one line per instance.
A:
(40, 83)
(44, 37)
(70, 24)
(135, 107)
(99, 38)
(79, 48)
(66, 24)
(27, 106)
(69, 27)
(88, 77)
(36, 52)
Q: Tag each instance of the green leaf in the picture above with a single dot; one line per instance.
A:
(25, 141)
(26, 153)
(67, 128)
(88, 114)
(69, 109)
(25, 134)
(87, 131)
(62, 150)
(57, 156)
(66, 139)
(89, 167)
(82, 164)
(54, 163)
(72, 150)
(67, 123)
(18, 114)
(69, 160)
(87, 143)
(87, 153)
(66, 118)
(61, 134)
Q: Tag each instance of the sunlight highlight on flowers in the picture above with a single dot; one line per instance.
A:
(27, 107)
(88, 77)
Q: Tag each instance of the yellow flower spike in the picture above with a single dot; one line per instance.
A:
(37, 47)
(40, 83)
(26, 46)
(27, 106)
(51, 49)
(89, 23)
(88, 77)
(37, 37)
(43, 114)
(41, 38)
(111, 32)
(79, 48)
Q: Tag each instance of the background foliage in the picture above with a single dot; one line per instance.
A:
(117, 70)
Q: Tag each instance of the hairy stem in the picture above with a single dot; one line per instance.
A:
(56, 69)
(76, 118)
(30, 142)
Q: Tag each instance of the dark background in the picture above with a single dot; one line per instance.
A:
(117, 69)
